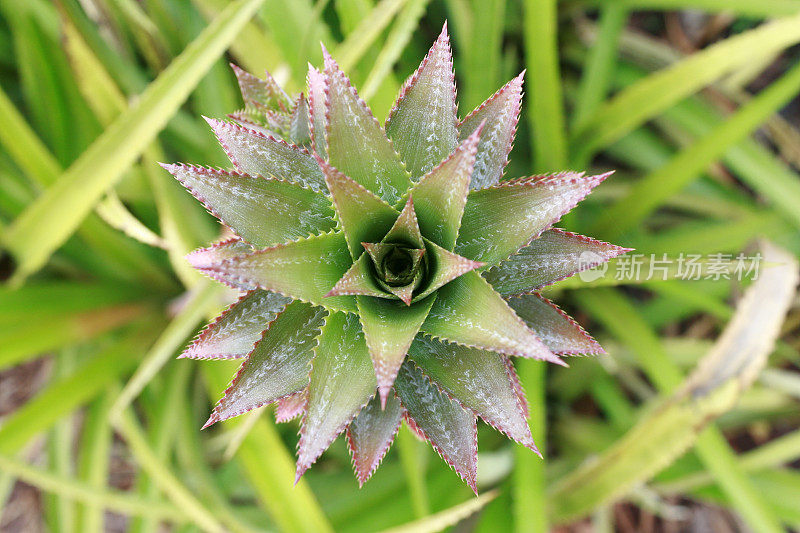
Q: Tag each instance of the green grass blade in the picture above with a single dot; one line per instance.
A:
(120, 502)
(94, 459)
(528, 491)
(54, 216)
(600, 63)
(647, 194)
(761, 8)
(413, 458)
(654, 94)
(546, 108)
(360, 39)
(447, 518)
(63, 396)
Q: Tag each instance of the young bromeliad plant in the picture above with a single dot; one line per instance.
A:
(388, 273)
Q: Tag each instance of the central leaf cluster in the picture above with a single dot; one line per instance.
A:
(398, 265)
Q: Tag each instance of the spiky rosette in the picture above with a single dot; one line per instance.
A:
(388, 273)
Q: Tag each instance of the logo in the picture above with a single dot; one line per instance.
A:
(586, 262)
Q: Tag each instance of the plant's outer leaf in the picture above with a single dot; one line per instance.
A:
(305, 269)
(204, 258)
(363, 216)
(451, 429)
(263, 211)
(342, 383)
(290, 407)
(467, 311)
(358, 280)
(300, 125)
(557, 330)
(234, 332)
(406, 227)
(517, 384)
(357, 144)
(439, 197)
(444, 267)
(260, 154)
(501, 115)
(423, 121)
(256, 91)
(317, 90)
(554, 255)
(277, 366)
(389, 328)
(500, 220)
(478, 380)
(370, 435)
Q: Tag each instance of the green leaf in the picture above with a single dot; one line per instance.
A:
(647, 98)
(342, 383)
(357, 145)
(467, 311)
(370, 435)
(451, 429)
(439, 197)
(447, 518)
(389, 328)
(359, 279)
(277, 366)
(233, 333)
(257, 153)
(360, 39)
(317, 105)
(554, 255)
(265, 92)
(64, 395)
(500, 115)
(651, 191)
(305, 269)
(363, 216)
(478, 380)
(204, 258)
(55, 215)
(406, 228)
(444, 267)
(422, 123)
(300, 125)
(263, 211)
(557, 330)
(500, 220)
(290, 407)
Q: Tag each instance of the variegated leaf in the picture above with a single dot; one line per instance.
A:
(467, 311)
(204, 258)
(500, 113)
(423, 121)
(439, 197)
(451, 429)
(233, 334)
(478, 380)
(342, 383)
(554, 255)
(444, 267)
(357, 145)
(500, 220)
(290, 407)
(370, 435)
(277, 366)
(359, 280)
(256, 91)
(317, 84)
(300, 122)
(260, 154)
(363, 216)
(557, 330)
(517, 384)
(389, 328)
(305, 269)
(263, 211)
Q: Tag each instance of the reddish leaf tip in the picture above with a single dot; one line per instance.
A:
(213, 419)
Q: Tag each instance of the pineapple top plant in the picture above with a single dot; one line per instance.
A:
(387, 272)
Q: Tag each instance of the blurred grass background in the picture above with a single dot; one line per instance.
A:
(694, 102)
